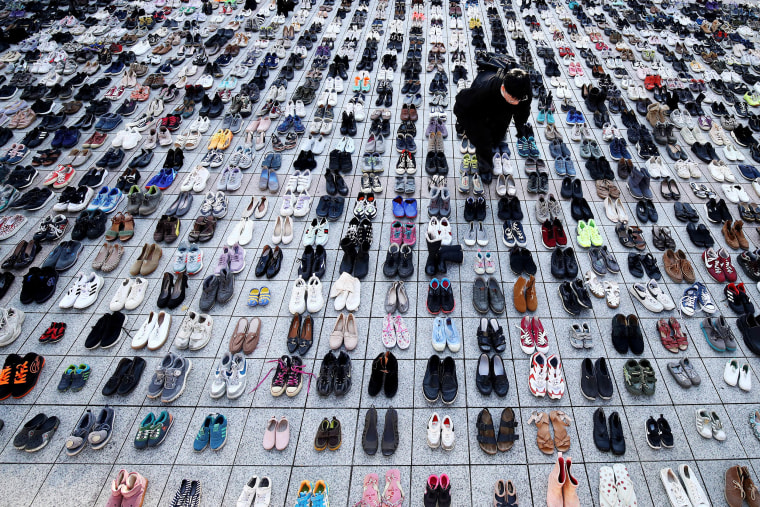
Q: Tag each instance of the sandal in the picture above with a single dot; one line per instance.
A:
(507, 435)
(543, 436)
(486, 435)
(560, 421)
(678, 334)
(668, 341)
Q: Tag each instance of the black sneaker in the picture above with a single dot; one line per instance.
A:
(81, 226)
(569, 299)
(97, 333)
(434, 297)
(97, 224)
(46, 284)
(34, 199)
(6, 389)
(26, 374)
(113, 332)
(713, 212)
(22, 177)
(41, 436)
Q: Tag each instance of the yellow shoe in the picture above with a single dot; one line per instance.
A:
(752, 99)
(214, 142)
(593, 232)
(584, 238)
(225, 139)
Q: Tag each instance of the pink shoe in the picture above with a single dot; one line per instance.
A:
(557, 480)
(269, 434)
(397, 233)
(539, 335)
(570, 488)
(116, 497)
(410, 234)
(403, 340)
(133, 490)
(393, 496)
(389, 335)
(371, 494)
(282, 435)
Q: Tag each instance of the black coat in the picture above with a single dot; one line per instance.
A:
(483, 113)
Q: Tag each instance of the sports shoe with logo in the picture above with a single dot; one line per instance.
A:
(555, 383)
(537, 378)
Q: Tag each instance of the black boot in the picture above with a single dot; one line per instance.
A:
(361, 265)
(431, 266)
(449, 253)
(349, 255)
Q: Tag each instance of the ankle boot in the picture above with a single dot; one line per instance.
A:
(653, 114)
(451, 253)
(361, 264)
(349, 255)
(557, 479)
(431, 265)
(531, 300)
(570, 488)
(518, 295)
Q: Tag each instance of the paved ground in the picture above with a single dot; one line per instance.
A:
(50, 477)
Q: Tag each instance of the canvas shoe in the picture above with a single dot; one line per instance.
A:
(186, 330)
(160, 332)
(136, 294)
(538, 372)
(145, 331)
(527, 344)
(10, 325)
(704, 299)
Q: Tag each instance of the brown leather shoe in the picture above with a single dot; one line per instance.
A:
(686, 268)
(306, 338)
(252, 336)
(734, 487)
(530, 294)
(137, 265)
(238, 336)
(751, 494)
(518, 295)
(672, 266)
(728, 233)
(738, 231)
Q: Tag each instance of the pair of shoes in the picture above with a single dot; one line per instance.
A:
(639, 377)
(300, 335)
(562, 485)
(488, 439)
(440, 380)
(390, 436)
(575, 297)
(39, 284)
(612, 439)
(311, 494)
(395, 332)
(437, 490)
(170, 378)
(491, 376)
(440, 296)
(384, 375)
(259, 297)
(440, 432)
(334, 375)
(329, 435)
(95, 430)
(22, 374)
(735, 374)
(246, 335)
(36, 433)
(488, 295)
(524, 294)
(288, 376)
(74, 378)
(125, 378)
(444, 334)
(107, 331)
(546, 376)
(189, 493)
(230, 377)
(392, 493)
(277, 434)
(596, 379)
(83, 292)
(257, 491)
(153, 430)
(212, 433)
(490, 336)
(616, 487)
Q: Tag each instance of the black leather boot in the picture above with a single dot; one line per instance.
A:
(349, 255)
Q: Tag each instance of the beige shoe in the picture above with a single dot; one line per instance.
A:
(137, 265)
(351, 334)
(97, 263)
(557, 480)
(337, 335)
(570, 488)
(150, 263)
(113, 259)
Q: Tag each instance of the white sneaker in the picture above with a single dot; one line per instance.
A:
(642, 295)
(219, 385)
(624, 486)
(136, 296)
(447, 433)
(664, 299)
(297, 303)
(201, 333)
(315, 300)
(89, 291)
(434, 431)
(186, 330)
(10, 325)
(146, 330)
(537, 378)
(745, 378)
(693, 488)
(119, 299)
(68, 300)
(160, 332)
(236, 380)
(555, 383)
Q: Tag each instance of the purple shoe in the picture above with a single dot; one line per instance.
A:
(236, 258)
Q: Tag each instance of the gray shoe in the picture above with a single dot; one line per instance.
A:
(224, 179)
(542, 209)
(176, 379)
(236, 179)
(69, 254)
(409, 185)
(532, 183)
(724, 330)
(434, 208)
(480, 295)
(597, 261)
(156, 386)
(495, 297)
(208, 293)
(712, 335)
(543, 183)
(690, 371)
(181, 205)
(236, 124)
(101, 431)
(680, 376)
(400, 185)
(445, 203)
(226, 286)
(151, 200)
(576, 336)
(134, 200)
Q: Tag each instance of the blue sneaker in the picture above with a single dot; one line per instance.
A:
(508, 238)
(453, 340)
(749, 172)
(194, 260)
(439, 334)
(166, 178)
(304, 494)
(559, 167)
(180, 259)
(704, 299)
(519, 233)
(298, 126)
(688, 302)
(99, 200)
(153, 180)
(550, 118)
(111, 200)
(523, 149)
(615, 152)
(541, 116)
(203, 438)
(218, 433)
(569, 166)
(319, 496)
(533, 148)
(285, 125)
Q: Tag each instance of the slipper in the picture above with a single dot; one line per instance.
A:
(253, 297)
(264, 296)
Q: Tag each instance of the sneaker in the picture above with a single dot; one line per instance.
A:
(203, 437)
(555, 383)
(176, 379)
(538, 371)
(222, 373)
(218, 435)
(236, 380)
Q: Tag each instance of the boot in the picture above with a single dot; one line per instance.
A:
(518, 296)
(431, 266)
(570, 488)
(451, 253)
(557, 481)
(361, 264)
(653, 113)
(349, 255)
(531, 299)
(672, 101)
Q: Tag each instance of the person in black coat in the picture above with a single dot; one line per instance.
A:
(485, 110)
